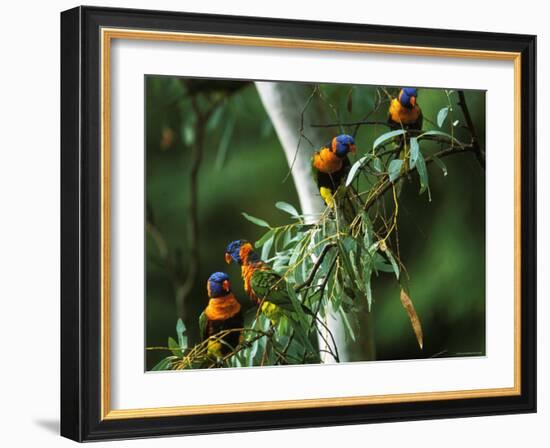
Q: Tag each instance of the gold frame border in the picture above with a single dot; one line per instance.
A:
(107, 35)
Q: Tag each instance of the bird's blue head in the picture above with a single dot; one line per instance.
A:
(407, 96)
(218, 285)
(342, 144)
(240, 251)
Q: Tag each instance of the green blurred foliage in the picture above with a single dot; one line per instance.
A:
(441, 242)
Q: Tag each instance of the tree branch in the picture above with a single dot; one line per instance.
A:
(386, 184)
(354, 123)
(315, 268)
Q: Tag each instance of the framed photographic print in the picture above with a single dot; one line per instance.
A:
(274, 224)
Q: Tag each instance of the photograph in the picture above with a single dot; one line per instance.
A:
(281, 223)
(294, 223)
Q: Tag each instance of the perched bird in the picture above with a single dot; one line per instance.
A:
(222, 313)
(265, 287)
(331, 165)
(404, 110)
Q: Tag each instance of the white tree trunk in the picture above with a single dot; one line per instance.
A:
(285, 104)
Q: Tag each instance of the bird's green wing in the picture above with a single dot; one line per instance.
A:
(270, 286)
(202, 325)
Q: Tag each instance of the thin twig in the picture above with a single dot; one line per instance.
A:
(315, 268)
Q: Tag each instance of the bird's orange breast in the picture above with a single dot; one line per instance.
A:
(222, 308)
(404, 115)
(326, 161)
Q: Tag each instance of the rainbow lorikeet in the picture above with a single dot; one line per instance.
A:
(331, 165)
(222, 313)
(404, 112)
(265, 287)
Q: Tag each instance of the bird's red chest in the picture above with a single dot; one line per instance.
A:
(326, 161)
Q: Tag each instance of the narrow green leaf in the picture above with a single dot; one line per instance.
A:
(180, 327)
(174, 347)
(180, 330)
(164, 364)
(442, 115)
(286, 207)
(287, 238)
(266, 248)
(347, 326)
(415, 148)
(440, 164)
(387, 136)
(257, 221)
(266, 236)
(368, 293)
(423, 174)
(394, 264)
(439, 133)
(378, 165)
(381, 265)
(394, 169)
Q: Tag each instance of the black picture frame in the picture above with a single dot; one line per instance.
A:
(81, 224)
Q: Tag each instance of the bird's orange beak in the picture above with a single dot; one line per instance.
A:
(413, 101)
(353, 148)
(226, 285)
(228, 258)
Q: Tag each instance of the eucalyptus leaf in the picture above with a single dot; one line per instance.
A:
(423, 174)
(368, 293)
(164, 364)
(266, 248)
(174, 347)
(377, 165)
(349, 334)
(180, 327)
(440, 134)
(440, 164)
(257, 221)
(266, 236)
(415, 150)
(394, 169)
(380, 264)
(442, 115)
(180, 331)
(286, 207)
(387, 136)
(394, 264)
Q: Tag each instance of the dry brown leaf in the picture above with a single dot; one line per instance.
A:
(415, 321)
